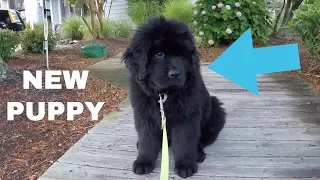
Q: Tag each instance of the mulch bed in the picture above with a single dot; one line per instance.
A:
(28, 148)
(310, 65)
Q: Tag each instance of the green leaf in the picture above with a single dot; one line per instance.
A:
(217, 15)
(246, 10)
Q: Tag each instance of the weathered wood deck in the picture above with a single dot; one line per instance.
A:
(272, 136)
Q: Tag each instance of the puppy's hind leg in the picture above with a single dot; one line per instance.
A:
(214, 125)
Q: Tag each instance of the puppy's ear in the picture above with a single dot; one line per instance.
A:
(136, 59)
(195, 61)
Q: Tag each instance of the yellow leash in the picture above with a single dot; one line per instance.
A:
(164, 173)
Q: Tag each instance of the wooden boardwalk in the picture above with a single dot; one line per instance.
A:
(272, 136)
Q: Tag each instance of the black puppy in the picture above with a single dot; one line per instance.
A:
(162, 58)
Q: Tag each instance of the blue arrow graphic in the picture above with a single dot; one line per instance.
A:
(241, 63)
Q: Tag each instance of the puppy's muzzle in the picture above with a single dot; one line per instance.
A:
(174, 73)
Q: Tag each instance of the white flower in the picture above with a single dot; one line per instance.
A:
(220, 5)
(228, 7)
(238, 14)
(211, 42)
(195, 12)
(201, 33)
(195, 23)
(237, 4)
(203, 12)
(228, 31)
(214, 7)
(254, 3)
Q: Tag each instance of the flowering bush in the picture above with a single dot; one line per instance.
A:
(223, 21)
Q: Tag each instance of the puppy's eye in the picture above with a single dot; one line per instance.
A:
(160, 55)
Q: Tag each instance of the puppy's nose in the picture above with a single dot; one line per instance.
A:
(174, 73)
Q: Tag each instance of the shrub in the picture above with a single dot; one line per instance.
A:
(9, 40)
(307, 25)
(223, 21)
(73, 27)
(179, 9)
(121, 28)
(158, 1)
(32, 40)
(111, 29)
(140, 10)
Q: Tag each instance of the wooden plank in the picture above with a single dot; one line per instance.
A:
(222, 166)
(247, 113)
(265, 93)
(234, 133)
(68, 171)
(306, 104)
(265, 97)
(237, 122)
(220, 148)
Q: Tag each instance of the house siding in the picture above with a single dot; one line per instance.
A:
(4, 4)
(118, 10)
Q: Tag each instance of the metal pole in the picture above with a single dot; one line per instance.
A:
(45, 20)
(47, 54)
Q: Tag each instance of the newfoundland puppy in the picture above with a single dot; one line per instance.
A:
(162, 58)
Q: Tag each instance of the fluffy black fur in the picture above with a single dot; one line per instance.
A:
(162, 58)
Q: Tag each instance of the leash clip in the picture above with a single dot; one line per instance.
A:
(161, 101)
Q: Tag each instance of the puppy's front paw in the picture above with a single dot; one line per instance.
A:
(142, 167)
(186, 170)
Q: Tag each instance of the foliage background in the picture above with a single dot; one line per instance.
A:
(9, 40)
(223, 21)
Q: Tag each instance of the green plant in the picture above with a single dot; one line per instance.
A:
(32, 40)
(87, 35)
(307, 25)
(121, 28)
(180, 10)
(73, 27)
(224, 21)
(140, 10)
(96, 11)
(9, 40)
(157, 1)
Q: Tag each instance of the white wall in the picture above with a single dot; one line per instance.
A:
(32, 11)
(55, 13)
(4, 4)
(118, 10)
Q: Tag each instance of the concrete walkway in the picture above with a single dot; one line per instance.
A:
(112, 71)
(273, 136)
